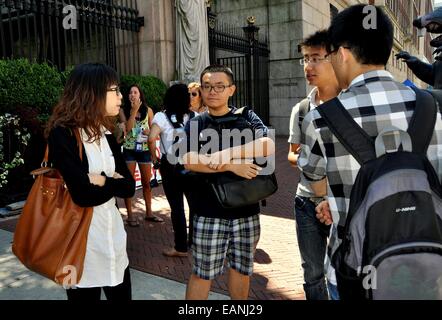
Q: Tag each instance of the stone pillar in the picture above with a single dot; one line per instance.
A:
(289, 23)
(157, 38)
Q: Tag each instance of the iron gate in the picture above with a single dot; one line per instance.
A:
(248, 57)
(106, 31)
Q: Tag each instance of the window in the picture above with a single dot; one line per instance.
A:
(399, 8)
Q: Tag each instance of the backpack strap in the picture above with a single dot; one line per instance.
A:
(241, 112)
(357, 141)
(304, 108)
(437, 94)
(421, 126)
(347, 131)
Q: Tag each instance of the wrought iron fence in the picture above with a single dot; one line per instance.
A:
(247, 55)
(68, 32)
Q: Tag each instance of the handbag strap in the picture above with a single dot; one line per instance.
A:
(79, 144)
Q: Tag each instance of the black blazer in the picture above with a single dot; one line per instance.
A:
(64, 156)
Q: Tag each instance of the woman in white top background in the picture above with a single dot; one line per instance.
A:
(90, 101)
(172, 120)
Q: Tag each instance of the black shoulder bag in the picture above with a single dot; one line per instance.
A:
(233, 191)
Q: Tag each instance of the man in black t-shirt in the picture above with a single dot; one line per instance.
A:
(221, 233)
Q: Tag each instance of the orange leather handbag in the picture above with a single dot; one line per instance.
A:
(51, 234)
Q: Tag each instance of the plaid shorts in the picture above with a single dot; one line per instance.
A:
(214, 239)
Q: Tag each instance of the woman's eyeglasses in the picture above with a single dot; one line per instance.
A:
(116, 89)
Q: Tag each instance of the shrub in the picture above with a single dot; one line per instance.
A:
(13, 140)
(153, 88)
(29, 84)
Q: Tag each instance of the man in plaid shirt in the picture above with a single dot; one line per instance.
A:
(358, 54)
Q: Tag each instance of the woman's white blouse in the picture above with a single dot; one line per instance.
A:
(106, 255)
(167, 131)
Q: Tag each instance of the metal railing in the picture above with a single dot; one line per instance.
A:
(248, 56)
(68, 32)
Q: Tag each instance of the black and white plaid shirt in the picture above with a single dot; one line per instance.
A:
(375, 101)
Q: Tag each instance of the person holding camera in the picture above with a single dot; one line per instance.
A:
(166, 125)
(137, 117)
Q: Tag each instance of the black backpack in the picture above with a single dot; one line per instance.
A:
(392, 240)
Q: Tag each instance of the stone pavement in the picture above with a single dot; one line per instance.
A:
(18, 283)
(277, 269)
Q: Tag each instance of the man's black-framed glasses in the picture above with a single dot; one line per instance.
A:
(218, 88)
(331, 51)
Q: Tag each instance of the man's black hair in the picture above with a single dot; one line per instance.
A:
(316, 40)
(218, 68)
(369, 46)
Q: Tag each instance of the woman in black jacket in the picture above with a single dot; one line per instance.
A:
(90, 101)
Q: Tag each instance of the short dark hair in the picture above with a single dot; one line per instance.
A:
(218, 68)
(316, 40)
(369, 46)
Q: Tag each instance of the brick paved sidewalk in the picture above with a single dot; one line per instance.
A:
(278, 273)
(277, 270)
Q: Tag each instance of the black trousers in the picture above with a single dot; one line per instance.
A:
(173, 185)
(121, 292)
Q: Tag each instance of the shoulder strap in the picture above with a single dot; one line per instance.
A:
(242, 111)
(357, 141)
(421, 126)
(347, 131)
(304, 108)
(437, 94)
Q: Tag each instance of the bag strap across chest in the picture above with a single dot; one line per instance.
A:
(223, 122)
(360, 145)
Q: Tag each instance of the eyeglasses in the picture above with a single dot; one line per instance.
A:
(219, 88)
(194, 94)
(116, 89)
(327, 56)
(312, 61)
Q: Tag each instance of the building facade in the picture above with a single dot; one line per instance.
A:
(139, 36)
(287, 22)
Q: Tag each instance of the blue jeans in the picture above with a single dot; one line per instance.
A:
(312, 241)
(333, 291)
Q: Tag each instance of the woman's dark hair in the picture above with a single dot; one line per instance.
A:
(370, 44)
(127, 104)
(176, 101)
(83, 103)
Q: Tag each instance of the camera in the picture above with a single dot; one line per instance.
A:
(154, 183)
(156, 164)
